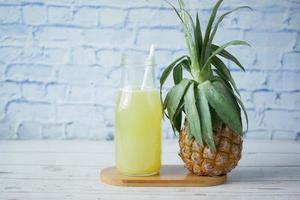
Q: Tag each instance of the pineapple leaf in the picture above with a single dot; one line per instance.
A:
(190, 41)
(228, 56)
(205, 118)
(186, 64)
(198, 39)
(177, 74)
(212, 35)
(216, 121)
(221, 48)
(239, 102)
(223, 103)
(187, 34)
(173, 98)
(207, 99)
(223, 71)
(192, 115)
(205, 53)
(176, 11)
(168, 70)
(178, 117)
(176, 123)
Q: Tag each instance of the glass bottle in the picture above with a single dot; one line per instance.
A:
(138, 118)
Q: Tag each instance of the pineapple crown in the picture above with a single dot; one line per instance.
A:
(210, 97)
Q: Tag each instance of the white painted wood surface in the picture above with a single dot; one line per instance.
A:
(70, 170)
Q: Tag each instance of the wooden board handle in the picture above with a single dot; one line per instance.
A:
(169, 176)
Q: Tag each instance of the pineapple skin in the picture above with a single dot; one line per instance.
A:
(201, 161)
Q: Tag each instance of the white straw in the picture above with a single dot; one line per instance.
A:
(148, 63)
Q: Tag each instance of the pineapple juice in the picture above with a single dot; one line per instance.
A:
(138, 132)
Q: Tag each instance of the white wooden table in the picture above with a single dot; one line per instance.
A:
(70, 170)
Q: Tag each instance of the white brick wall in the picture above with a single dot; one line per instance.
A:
(59, 62)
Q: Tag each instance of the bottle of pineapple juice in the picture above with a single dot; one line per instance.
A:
(138, 132)
(138, 118)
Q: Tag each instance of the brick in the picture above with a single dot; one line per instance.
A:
(265, 99)
(162, 38)
(56, 93)
(55, 2)
(113, 79)
(282, 40)
(9, 90)
(9, 14)
(244, 19)
(294, 19)
(34, 14)
(109, 114)
(112, 17)
(258, 134)
(205, 4)
(109, 58)
(2, 70)
(297, 44)
(33, 91)
(291, 60)
(224, 35)
(289, 100)
(82, 94)
(30, 54)
(34, 54)
(141, 17)
(267, 59)
(59, 15)
(58, 34)
(245, 80)
(284, 135)
(77, 75)
(15, 32)
(18, 53)
(80, 130)
(20, 110)
(29, 72)
(16, 2)
(137, 52)
(246, 55)
(118, 3)
(247, 99)
(106, 96)
(255, 120)
(83, 55)
(29, 130)
(85, 17)
(273, 20)
(284, 81)
(281, 120)
(152, 17)
(84, 113)
(162, 58)
(108, 36)
(53, 56)
(269, 99)
(6, 130)
(53, 131)
(3, 103)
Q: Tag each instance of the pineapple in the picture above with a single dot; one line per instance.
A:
(210, 138)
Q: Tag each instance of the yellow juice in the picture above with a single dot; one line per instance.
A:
(138, 132)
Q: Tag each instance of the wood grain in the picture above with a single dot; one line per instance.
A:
(170, 176)
(69, 170)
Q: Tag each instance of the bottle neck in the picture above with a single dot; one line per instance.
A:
(137, 74)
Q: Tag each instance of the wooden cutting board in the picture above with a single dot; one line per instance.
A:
(170, 176)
